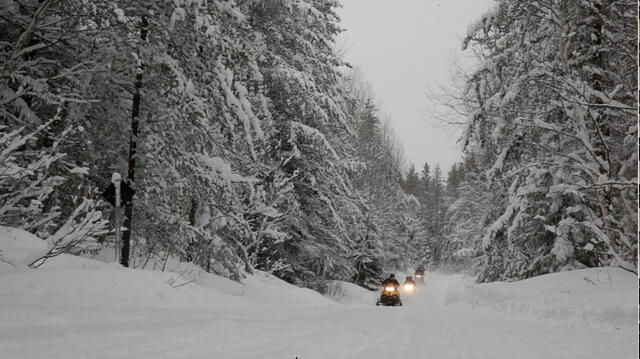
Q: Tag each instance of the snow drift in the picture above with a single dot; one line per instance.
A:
(595, 295)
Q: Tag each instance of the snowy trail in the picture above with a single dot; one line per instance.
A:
(426, 327)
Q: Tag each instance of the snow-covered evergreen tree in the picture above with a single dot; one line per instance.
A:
(235, 122)
(552, 109)
(43, 59)
(308, 140)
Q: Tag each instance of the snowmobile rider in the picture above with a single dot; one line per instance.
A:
(391, 281)
(390, 295)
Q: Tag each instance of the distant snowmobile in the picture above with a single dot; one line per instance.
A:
(409, 285)
(419, 274)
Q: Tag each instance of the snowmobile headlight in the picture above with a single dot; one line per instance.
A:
(389, 289)
(409, 286)
(418, 276)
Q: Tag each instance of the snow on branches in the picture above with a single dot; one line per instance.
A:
(554, 114)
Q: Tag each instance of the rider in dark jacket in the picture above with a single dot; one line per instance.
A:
(391, 280)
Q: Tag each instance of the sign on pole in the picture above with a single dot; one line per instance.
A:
(118, 193)
(126, 193)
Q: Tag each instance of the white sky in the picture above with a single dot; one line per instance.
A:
(403, 46)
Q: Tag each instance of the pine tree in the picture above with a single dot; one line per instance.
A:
(44, 59)
(310, 139)
(550, 110)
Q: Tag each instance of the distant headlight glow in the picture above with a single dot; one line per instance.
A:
(409, 286)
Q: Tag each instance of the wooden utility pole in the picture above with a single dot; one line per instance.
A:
(135, 118)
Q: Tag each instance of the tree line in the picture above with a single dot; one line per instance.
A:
(550, 133)
(249, 142)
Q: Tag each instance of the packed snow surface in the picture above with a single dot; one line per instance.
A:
(74, 307)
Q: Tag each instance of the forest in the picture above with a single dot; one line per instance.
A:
(252, 145)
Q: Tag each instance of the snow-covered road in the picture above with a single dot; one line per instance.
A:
(428, 326)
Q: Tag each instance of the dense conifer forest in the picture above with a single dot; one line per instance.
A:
(251, 144)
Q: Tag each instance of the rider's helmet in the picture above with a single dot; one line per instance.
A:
(392, 276)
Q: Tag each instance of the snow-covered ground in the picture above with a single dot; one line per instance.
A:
(74, 307)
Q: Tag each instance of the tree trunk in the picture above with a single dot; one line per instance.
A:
(135, 118)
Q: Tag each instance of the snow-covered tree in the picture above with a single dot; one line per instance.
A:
(552, 108)
(308, 140)
(45, 55)
(234, 122)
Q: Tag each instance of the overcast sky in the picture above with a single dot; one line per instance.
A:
(403, 46)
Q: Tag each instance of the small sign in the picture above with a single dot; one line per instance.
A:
(126, 194)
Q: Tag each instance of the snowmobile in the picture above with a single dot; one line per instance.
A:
(390, 296)
(419, 274)
(409, 285)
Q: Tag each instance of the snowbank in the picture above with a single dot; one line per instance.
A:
(259, 286)
(595, 295)
(352, 294)
(19, 247)
(268, 289)
(68, 281)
